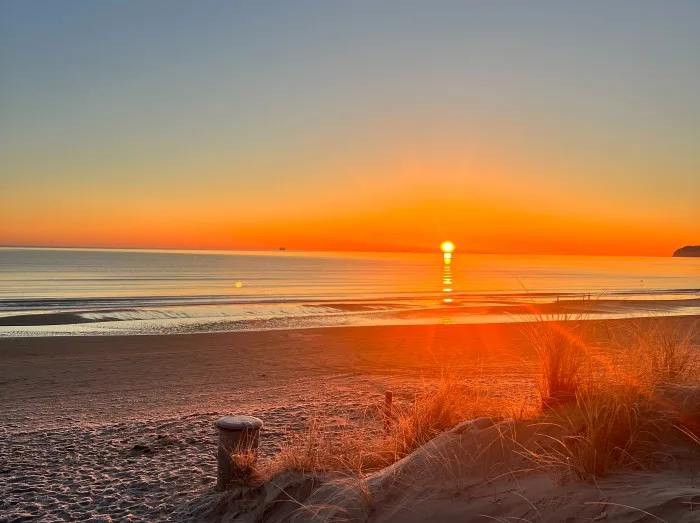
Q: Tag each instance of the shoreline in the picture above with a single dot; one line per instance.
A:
(182, 321)
(467, 326)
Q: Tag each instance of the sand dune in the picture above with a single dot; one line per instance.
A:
(473, 473)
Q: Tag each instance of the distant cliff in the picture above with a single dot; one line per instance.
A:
(688, 250)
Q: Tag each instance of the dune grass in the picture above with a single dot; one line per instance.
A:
(561, 342)
(601, 400)
(657, 353)
(615, 419)
(434, 410)
(323, 447)
(603, 430)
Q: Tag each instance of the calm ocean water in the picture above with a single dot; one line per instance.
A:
(72, 291)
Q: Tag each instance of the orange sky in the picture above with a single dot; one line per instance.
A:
(418, 225)
(402, 199)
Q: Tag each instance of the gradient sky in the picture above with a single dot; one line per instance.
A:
(515, 127)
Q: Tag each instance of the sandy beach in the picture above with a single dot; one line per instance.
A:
(121, 428)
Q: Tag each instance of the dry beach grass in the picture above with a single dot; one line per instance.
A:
(376, 442)
(603, 410)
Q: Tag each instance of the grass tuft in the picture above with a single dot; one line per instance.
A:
(323, 447)
(616, 420)
(433, 411)
(659, 353)
(561, 344)
(245, 466)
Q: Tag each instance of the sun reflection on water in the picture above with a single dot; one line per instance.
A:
(447, 249)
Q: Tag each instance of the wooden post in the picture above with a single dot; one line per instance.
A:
(236, 433)
(388, 398)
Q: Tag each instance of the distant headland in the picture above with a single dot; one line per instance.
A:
(688, 251)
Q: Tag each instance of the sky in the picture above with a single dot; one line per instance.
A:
(507, 127)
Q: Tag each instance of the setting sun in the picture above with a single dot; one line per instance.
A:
(447, 247)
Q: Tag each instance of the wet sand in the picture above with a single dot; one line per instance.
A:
(121, 428)
(503, 308)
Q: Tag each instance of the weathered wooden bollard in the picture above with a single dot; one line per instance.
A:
(236, 434)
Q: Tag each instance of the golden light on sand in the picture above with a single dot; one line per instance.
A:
(447, 247)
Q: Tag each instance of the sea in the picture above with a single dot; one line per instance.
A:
(61, 292)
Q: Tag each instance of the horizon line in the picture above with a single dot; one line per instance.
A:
(284, 249)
